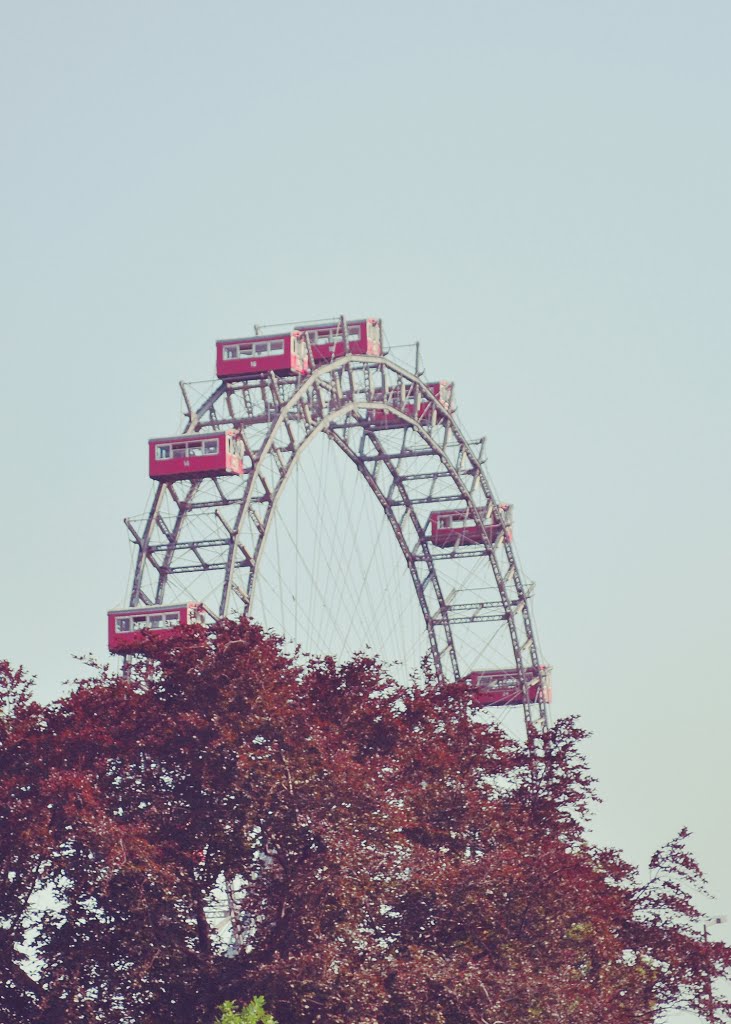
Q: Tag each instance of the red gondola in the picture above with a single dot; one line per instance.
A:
(283, 354)
(459, 526)
(418, 410)
(124, 626)
(502, 686)
(193, 456)
(327, 343)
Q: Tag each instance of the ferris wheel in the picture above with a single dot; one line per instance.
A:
(320, 486)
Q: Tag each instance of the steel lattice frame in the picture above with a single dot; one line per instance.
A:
(207, 537)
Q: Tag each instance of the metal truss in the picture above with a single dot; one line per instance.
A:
(204, 539)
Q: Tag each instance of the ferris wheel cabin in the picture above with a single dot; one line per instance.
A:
(420, 408)
(326, 341)
(501, 687)
(125, 626)
(459, 527)
(283, 354)
(194, 456)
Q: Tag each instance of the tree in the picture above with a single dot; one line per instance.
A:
(389, 856)
(24, 839)
(252, 1013)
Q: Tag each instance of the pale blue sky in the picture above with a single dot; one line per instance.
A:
(539, 192)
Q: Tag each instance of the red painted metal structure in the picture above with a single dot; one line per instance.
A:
(194, 456)
(418, 409)
(283, 354)
(124, 626)
(458, 526)
(502, 686)
(326, 341)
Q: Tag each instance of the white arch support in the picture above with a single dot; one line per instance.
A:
(205, 539)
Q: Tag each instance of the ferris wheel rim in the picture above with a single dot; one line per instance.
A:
(308, 386)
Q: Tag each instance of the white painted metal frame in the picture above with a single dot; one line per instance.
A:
(204, 539)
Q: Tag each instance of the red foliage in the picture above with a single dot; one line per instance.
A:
(393, 857)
